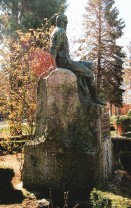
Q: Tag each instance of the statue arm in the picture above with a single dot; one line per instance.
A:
(53, 50)
(56, 41)
(53, 61)
(55, 45)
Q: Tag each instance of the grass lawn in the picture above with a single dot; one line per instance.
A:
(5, 130)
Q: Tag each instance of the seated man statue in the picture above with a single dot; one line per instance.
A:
(82, 69)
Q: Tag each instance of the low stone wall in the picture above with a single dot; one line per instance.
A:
(72, 150)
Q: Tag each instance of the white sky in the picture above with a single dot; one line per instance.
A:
(76, 9)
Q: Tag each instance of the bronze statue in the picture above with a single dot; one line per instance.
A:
(82, 69)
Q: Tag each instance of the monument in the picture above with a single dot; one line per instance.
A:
(72, 150)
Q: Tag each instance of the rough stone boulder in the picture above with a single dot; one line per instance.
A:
(72, 150)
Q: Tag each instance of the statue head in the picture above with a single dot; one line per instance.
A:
(61, 21)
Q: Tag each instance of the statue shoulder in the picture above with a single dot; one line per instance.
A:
(59, 31)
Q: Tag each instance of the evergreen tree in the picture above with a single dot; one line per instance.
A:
(102, 29)
(26, 14)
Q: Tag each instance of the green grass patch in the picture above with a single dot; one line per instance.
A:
(26, 130)
(100, 199)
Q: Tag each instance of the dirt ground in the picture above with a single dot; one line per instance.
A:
(12, 161)
(25, 204)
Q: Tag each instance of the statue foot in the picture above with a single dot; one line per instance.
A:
(93, 102)
(98, 101)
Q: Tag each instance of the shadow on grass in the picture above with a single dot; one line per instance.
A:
(11, 196)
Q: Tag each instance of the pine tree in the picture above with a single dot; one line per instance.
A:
(102, 29)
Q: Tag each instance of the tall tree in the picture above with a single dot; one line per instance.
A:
(102, 29)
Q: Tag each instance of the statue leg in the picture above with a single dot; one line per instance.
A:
(93, 92)
(91, 84)
(77, 67)
(84, 94)
(84, 73)
(80, 69)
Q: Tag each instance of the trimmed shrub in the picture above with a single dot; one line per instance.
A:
(6, 175)
(101, 199)
(125, 159)
(112, 119)
(8, 194)
(124, 122)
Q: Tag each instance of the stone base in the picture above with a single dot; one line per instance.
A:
(50, 164)
(72, 151)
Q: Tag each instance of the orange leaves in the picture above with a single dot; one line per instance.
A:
(40, 62)
(34, 53)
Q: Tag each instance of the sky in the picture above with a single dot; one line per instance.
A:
(76, 8)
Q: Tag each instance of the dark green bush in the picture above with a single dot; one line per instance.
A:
(6, 175)
(125, 159)
(101, 199)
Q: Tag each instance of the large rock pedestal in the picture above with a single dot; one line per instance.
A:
(72, 150)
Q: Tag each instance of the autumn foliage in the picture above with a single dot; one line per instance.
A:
(27, 59)
(40, 62)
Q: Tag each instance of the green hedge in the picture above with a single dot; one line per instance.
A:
(125, 160)
(6, 175)
(123, 121)
(11, 145)
(112, 119)
(129, 114)
(101, 199)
